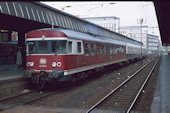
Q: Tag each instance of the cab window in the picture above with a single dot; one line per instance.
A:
(30, 47)
(59, 47)
(43, 47)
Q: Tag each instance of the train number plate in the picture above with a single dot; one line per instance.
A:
(42, 61)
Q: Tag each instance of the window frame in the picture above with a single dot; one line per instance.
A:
(98, 49)
(86, 48)
(104, 49)
(107, 50)
(93, 49)
(68, 47)
(79, 47)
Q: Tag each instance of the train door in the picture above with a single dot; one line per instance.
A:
(99, 53)
(79, 51)
(86, 53)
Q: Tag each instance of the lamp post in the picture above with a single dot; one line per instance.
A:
(141, 22)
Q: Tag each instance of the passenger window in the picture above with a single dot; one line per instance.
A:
(86, 49)
(92, 49)
(69, 47)
(113, 50)
(119, 50)
(107, 50)
(98, 49)
(104, 49)
(79, 47)
(123, 50)
(116, 50)
(110, 49)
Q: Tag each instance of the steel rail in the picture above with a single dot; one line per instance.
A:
(31, 100)
(139, 92)
(46, 95)
(14, 96)
(100, 101)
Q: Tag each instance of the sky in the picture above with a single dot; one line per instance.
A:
(128, 11)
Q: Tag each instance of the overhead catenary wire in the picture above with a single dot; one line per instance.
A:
(87, 9)
(146, 13)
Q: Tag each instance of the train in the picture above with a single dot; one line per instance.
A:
(168, 49)
(59, 55)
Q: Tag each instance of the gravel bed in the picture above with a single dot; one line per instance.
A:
(144, 102)
(85, 93)
(123, 97)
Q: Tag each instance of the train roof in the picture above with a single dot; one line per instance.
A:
(96, 38)
(89, 37)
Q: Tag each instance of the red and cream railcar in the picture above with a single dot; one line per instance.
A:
(61, 53)
(168, 49)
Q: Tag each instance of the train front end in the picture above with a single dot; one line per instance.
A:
(45, 51)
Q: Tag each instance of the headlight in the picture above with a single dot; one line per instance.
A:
(31, 64)
(58, 64)
(54, 64)
(28, 64)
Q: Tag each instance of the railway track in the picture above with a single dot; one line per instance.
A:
(23, 99)
(123, 97)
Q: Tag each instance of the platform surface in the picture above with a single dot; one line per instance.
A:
(161, 102)
(11, 72)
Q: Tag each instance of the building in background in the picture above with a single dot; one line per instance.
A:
(164, 49)
(153, 44)
(135, 32)
(168, 49)
(111, 23)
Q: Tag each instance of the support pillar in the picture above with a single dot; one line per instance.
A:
(21, 43)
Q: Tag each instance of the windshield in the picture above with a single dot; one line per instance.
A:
(43, 47)
(59, 47)
(47, 47)
(31, 47)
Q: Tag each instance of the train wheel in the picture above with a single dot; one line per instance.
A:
(73, 80)
(82, 75)
(86, 75)
(34, 78)
(40, 82)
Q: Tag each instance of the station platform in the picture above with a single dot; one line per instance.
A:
(161, 101)
(12, 80)
(11, 72)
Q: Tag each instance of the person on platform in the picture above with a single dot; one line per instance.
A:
(19, 57)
